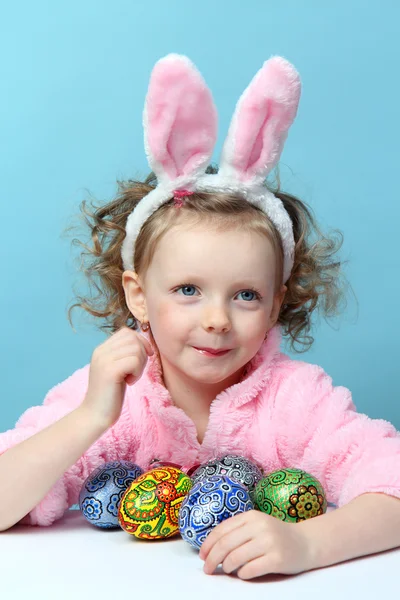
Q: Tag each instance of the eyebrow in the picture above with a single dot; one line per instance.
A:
(243, 282)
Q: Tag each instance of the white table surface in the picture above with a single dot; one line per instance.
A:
(75, 560)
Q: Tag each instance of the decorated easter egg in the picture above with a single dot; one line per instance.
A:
(156, 462)
(290, 495)
(150, 506)
(102, 491)
(233, 466)
(209, 502)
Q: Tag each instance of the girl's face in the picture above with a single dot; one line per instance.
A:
(210, 289)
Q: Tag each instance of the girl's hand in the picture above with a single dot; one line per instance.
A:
(118, 361)
(257, 544)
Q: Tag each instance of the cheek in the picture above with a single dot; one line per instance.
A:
(255, 336)
(252, 322)
(168, 316)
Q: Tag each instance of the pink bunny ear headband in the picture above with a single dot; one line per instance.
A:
(180, 129)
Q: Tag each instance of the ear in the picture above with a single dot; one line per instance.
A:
(179, 119)
(260, 124)
(134, 295)
(277, 303)
(180, 130)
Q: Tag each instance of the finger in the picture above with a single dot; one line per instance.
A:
(132, 346)
(221, 529)
(128, 349)
(241, 556)
(135, 358)
(257, 567)
(123, 332)
(225, 545)
(128, 367)
(126, 335)
(148, 347)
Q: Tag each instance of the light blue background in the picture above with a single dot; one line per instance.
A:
(74, 76)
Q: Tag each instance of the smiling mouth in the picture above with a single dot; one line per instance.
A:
(213, 353)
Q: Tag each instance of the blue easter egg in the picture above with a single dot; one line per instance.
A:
(234, 466)
(102, 492)
(210, 501)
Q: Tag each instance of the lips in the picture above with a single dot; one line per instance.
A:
(212, 350)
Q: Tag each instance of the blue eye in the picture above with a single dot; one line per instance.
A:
(186, 287)
(250, 292)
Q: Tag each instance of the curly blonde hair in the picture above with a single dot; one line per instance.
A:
(316, 281)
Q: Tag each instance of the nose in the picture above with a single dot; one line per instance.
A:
(215, 318)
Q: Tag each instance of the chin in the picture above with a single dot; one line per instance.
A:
(210, 376)
(209, 380)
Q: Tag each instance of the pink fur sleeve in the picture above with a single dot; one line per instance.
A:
(59, 401)
(321, 432)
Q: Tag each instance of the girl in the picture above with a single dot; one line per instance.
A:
(215, 267)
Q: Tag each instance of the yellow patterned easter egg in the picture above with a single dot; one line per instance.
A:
(149, 509)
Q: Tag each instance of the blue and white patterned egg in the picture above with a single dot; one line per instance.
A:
(233, 466)
(102, 492)
(208, 503)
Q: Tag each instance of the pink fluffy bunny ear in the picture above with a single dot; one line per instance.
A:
(180, 120)
(260, 123)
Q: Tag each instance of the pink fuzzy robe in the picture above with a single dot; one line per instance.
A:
(284, 413)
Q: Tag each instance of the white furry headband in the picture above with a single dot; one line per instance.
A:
(180, 129)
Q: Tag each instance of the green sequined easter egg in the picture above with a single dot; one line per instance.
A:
(290, 495)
